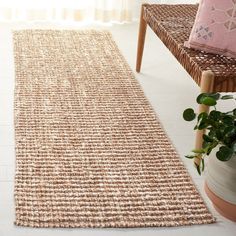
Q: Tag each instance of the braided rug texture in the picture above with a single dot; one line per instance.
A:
(90, 151)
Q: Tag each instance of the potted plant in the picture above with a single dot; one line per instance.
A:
(219, 143)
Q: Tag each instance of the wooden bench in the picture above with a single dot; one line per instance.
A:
(173, 24)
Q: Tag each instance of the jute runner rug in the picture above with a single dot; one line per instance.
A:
(90, 151)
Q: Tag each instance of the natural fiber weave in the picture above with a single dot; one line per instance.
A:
(173, 24)
(89, 149)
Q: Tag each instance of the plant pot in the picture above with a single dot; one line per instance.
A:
(220, 185)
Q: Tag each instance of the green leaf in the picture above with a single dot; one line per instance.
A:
(201, 96)
(207, 138)
(226, 141)
(234, 111)
(190, 156)
(225, 97)
(215, 115)
(224, 153)
(202, 116)
(199, 151)
(228, 120)
(208, 101)
(203, 125)
(210, 147)
(203, 164)
(189, 114)
(220, 127)
(216, 96)
(219, 133)
(230, 131)
(212, 133)
(205, 144)
(198, 168)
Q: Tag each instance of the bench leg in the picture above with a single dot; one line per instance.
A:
(141, 40)
(207, 82)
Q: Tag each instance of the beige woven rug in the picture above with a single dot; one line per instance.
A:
(90, 151)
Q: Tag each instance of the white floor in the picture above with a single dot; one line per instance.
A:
(169, 89)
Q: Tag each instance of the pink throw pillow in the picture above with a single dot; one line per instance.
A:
(214, 29)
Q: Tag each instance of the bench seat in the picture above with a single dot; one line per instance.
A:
(173, 24)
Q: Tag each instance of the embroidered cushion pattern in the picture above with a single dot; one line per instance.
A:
(214, 29)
